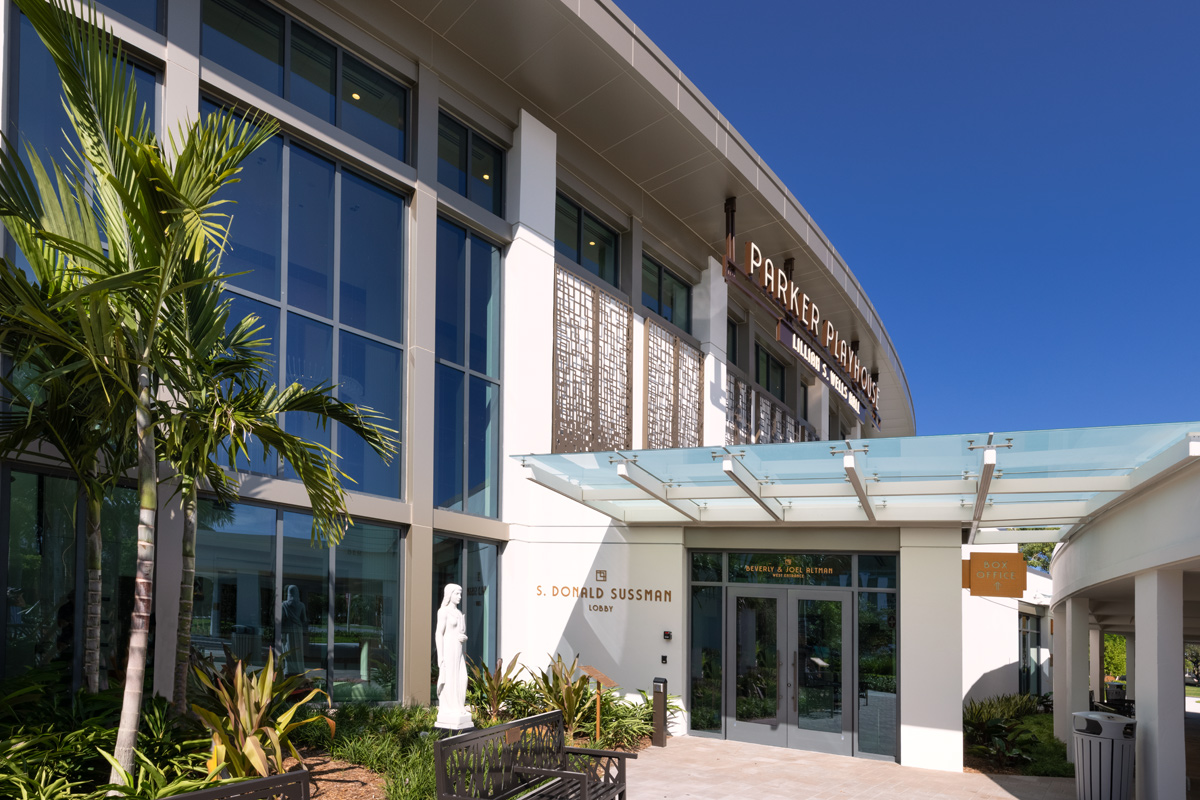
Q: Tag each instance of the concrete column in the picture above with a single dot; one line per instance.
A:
(1096, 663)
(710, 311)
(1158, 623)
(418, 433)
(181, 72)
(818, 409)
(931, 622)
(1130, 660)
(1075, 696)
(1058, 667)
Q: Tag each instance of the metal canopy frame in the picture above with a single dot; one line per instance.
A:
(1058, 479)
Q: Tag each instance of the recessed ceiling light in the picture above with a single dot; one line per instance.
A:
(487, 177)
(356, 95)
(593, 244)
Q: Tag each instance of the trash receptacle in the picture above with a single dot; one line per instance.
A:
(658, 737)
(1104, 746)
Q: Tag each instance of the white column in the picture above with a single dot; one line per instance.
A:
(1130, 653)
(818, 409)
(931, 622)
(1158, 623)
(710, 300)
(1076, 694)
(1096, 663)
(1058, 672)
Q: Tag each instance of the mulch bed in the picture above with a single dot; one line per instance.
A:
(340, 780)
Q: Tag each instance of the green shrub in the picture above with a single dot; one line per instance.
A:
(1001, 740)
(414, 777)
(1005, 706)
(490, 689)
(562, 690)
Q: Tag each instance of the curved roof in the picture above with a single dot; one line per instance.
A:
(595, 76)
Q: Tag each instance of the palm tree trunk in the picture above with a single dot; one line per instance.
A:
(183, 642)
(143, 594)
(91, 649)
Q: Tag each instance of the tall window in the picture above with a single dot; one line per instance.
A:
(279, 54)
(473, 565)
(582, 239)
(769, 372)
(470, 165)
(466, 463)
(731, 341)
(341, 319)
(348, 594)
(666, 294)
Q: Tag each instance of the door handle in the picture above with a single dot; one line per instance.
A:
(795, 678)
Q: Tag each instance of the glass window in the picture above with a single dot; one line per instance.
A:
(250, 38)
(361, 259)
(706, 567)
(877, 572)
(666, 294)
(769, 372)
(310, 233)
(877, 673)
(313, 84)
(482, 180)
(41, 572)
(706, 655)
(473, 565)
(372, 245)
(369, 374)
(366, 615)
(146, 12)
(467, 396)
(796, 569)
(304, 609)
(581, 238)
(235, 581)
(373, 107)
(245, 36)
(118, 567)
(731, 341)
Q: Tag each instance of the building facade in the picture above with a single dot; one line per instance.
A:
(518, 229)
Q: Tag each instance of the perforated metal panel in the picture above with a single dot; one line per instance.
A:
(593, 346)
(674, 390)
(753, 417)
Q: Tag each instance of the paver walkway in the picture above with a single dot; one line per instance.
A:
(695, 767)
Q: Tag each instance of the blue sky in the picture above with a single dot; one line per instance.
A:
(1016, 185)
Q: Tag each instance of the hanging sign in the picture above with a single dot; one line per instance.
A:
(994, 574)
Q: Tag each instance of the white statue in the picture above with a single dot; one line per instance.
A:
(449, 638)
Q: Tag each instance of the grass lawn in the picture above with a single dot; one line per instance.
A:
(1191, 691)
(1049, 754)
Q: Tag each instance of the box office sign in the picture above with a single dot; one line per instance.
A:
(994, 574)
(816, 341)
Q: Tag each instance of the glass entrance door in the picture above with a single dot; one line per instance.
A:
(790, 660)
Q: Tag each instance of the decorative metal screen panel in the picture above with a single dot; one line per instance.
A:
(674, 390)
(754, 417)
(593, 346)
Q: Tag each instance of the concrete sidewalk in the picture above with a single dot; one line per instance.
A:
(691, 766)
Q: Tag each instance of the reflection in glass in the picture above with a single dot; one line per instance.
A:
(143, 11)
(485, 307)
(877, 673)
(118, 567)
(314, 67)
(304, 633)
(452, 154)
(479, 604)
(241, 307)
(235, 581)
(40, 596)
(818, 668)
(566, 229)
(448, 439)
(373, 107)
(447, 569)
(676, 301)
(365, 615)
(487, 175)
(877, 572)
(369, 374)
(706, 656)
(483, 448)
(599, 247)
(246, 37)
(372, 243)
(451, 292)
(756, 697)
(706, 567)
(310, 233)
(310, 363)
(796, 569)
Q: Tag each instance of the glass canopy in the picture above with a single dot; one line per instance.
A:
(994, 484)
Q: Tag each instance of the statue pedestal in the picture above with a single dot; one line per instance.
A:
(455, 720)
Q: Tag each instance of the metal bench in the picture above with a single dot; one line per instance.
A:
(289, 786)
(527, 757)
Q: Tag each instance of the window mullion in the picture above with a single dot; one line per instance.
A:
(335, 367)
(466, 442)
(287, 57)
(281, 377)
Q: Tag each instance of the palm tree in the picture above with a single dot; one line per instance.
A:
(158, 218)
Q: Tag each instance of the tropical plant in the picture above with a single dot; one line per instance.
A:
(1003, 706)
(152, 783)
(250, 734)
(1000, 739)
(494, 687)
(561, 689)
